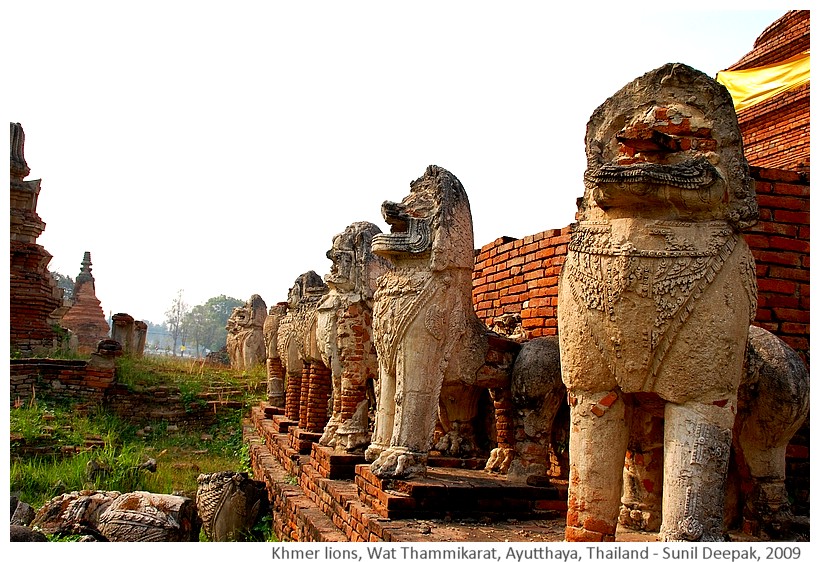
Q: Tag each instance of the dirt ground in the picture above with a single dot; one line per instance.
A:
(541, 530)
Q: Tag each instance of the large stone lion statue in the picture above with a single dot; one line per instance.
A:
(275, 368)
(429, 341)
(656, 297)
(296, 342)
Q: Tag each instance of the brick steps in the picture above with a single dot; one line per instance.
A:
(229, 404)
(295, 517)
(336, 466)
(326, 496)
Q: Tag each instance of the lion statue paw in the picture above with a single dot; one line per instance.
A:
(500, 460)
(398, 463)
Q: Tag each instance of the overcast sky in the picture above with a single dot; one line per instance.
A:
(218, 147)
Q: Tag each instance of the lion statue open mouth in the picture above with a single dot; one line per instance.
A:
(656, 297)
(429, 341)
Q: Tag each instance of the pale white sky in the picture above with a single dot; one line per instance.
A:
(218, 147)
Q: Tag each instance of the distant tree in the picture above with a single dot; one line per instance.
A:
(158, 337)
(221, 307)
(205, 323)
(65, 282)
(174, 319)
(195, 323)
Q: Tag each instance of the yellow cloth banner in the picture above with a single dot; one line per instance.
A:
(754, 85)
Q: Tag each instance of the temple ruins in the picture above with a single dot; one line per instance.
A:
(129, 333)
(643, 369)
(587, 366)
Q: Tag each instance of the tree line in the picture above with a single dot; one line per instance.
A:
(193, 331)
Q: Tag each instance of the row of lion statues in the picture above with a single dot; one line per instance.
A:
(656, 355)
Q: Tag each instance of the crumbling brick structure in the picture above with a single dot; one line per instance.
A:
(34, 295)
(86, 318)
(129, 333)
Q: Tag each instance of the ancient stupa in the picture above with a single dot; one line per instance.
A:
(86, 317)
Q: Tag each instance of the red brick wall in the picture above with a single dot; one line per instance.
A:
(780, 244)
(84, 382)
(776, 131)
(784, 38)
(521, 277)
(60, 378)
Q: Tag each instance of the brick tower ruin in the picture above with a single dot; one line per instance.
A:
(34, 295)
(86, 318)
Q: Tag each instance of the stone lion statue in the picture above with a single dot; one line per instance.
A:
(430, 343)
(656, 297)
(296, 341)
(246, 342)
(229, 504)
(275, 369)
(344, 320)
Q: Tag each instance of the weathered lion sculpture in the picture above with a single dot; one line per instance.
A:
(229, 504)
(296, 342)
(245, 341)
(344, 320)
(275, 369)
(429, 341)
(656, 297)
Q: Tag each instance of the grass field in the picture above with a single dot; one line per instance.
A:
(106, 450)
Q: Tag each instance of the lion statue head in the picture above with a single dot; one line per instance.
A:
(668, 145)
(433, 222)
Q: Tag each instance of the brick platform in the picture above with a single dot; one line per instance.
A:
(336, 466)
(308, 506)
(271, 411)
(303, 440)
(282, 423)
(458, 493)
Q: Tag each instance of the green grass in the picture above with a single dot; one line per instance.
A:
(38, 478)
(192, 378)
(181, 455)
